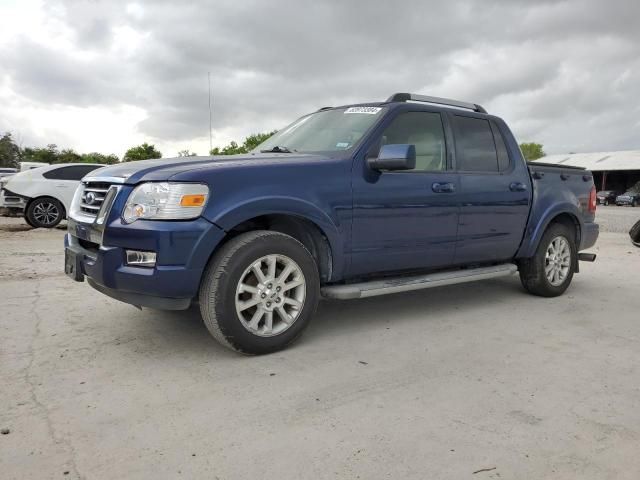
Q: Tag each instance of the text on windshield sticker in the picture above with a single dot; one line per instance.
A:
(367, 110)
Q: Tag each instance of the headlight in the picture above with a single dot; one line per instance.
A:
(165, 201)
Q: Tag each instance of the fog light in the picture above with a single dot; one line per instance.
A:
(141, 259)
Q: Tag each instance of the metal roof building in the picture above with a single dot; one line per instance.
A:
(611, 170)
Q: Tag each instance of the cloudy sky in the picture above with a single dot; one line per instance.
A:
(105, 75)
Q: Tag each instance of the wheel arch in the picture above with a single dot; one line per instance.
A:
(565, 216)
(315, 224)
(306, 231)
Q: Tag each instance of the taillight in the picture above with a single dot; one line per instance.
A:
(592, 200)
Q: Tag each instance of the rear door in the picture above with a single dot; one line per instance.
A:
(405, 219)
(494, 192)
(63, 181)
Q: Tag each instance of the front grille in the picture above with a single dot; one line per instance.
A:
(93, 195)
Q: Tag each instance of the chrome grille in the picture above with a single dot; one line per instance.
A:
(93, 195)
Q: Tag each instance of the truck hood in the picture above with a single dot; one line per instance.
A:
(165, 168)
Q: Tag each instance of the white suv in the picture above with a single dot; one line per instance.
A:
(43, 195)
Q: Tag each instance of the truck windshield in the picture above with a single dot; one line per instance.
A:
(325, 131)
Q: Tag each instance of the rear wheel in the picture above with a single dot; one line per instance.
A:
(44, 213)
(634, 203)
(550, 271)
(259, 292)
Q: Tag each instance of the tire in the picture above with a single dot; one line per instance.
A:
(634, 233)
(26, 219)
(606, 203)
(634, 203)
(533, 271)
(44, 212)
(223, 301)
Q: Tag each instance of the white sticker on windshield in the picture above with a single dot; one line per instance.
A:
(342, 145)
(367, 110)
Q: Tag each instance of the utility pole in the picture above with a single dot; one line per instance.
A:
(210, 134)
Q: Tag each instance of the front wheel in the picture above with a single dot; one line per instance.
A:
(259, 292)
(550, 271)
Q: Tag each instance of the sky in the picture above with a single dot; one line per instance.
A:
(106, 75)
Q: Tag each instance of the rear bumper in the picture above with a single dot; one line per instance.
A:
(589, 235)
(183, 250)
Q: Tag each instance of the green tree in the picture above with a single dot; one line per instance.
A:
(141, 152)
(95, 157)
(187, 153)
(10, 154)
(532, 151)
(68, 155)
(49, 154)
(251, 142)
(232, 149)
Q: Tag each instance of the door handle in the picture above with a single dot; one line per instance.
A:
(517, 187)
(445, 187)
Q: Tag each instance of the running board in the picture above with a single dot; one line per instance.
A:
(416, 282)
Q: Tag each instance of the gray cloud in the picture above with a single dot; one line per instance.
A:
(563, 73)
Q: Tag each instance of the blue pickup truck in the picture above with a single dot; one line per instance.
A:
(346, 202)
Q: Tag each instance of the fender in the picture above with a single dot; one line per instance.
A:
(534, 234)
(228, 216)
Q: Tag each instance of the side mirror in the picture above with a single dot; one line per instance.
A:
(394, 157)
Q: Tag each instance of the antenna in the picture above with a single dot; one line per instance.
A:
(210, 134)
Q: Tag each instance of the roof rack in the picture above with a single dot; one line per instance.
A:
(405, 97)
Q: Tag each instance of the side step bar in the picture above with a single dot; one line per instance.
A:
(416, 282)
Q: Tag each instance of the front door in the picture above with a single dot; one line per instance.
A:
(405, 220)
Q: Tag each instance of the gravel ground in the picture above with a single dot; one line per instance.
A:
(470, 381)
(616, 219)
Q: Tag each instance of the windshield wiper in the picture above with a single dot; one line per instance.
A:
(277, 149)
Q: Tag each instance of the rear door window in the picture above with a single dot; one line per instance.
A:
(475, 146)
(503, 155)
(73, 172)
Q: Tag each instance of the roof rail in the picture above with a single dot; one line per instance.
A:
(404, 97)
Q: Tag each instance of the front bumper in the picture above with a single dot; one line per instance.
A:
(183, 249)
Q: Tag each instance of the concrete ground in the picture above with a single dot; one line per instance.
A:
(471, 381)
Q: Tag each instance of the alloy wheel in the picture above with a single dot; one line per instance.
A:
(557, 261)
(46, 213)
(270, 295)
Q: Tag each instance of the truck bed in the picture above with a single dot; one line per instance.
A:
(556, 189)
